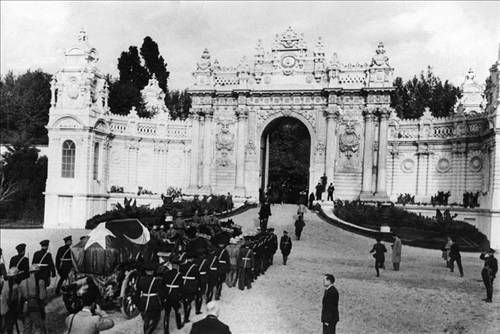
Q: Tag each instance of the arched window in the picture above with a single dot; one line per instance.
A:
(68, 159)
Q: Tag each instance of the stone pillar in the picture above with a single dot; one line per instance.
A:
(331, 141)
(381, 194)
(208, 151)
(193, 172)
(266, 162)
(242, 115)
(201, 152)
(366, 190)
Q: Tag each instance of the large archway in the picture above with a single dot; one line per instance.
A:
(285, 159)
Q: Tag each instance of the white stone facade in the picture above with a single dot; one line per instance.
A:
(221, 147)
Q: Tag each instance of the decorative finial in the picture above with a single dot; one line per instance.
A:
(470, 75)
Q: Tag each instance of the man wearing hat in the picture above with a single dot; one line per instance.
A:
(245, 266)
(172, 280)
(33, 298)
(63, 262)
(43, 259)
(20, 262)
(149, 296)
(232, 250)
(489, 272)
(190, 283)
(223, 264)
(285, 246)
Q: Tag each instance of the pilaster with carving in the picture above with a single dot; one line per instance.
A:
(366, 190)
(381, 193)
(331, 114)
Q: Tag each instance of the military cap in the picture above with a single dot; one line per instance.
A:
(21, 247)
(285, 232)
(68, 238)
(44, 243)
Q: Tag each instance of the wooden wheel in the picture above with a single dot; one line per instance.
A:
(128, 289)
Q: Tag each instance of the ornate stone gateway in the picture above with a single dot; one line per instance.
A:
(96, 158)
(332, 99)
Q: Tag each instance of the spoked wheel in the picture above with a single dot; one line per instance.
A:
(128, 307)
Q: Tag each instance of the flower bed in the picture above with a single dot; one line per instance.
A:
(151, 216)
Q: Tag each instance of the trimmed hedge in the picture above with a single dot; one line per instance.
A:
(415, 229)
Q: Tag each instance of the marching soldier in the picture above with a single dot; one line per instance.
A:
(223, 265)
(172, 280)
(43, 259)
(213, 274)
(202, 264)
(190, 285)
(20, 262)
(33, 298)
(285, 246)
(149, 297)
(273, 244)
(245, 265)
(63, 262)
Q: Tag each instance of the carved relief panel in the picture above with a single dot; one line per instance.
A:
(349, 157)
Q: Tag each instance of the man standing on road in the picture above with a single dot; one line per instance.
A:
(319, 191)
(456, 257)
(379, 250)
(330, 309)
(396, 253)
(285, 246)
(330, 191)
(489, 272)
(63, 262)
(299, 226)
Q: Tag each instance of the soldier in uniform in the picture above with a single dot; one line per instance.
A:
(245, 266)
(273, 244)
(190, 283)
(149, 296)
(180, 224)
(489, 272)
(202, 264)
(20, 262)
(285, 246)
(63, 262)
(33, 298)
(213, 273)
(43, 259)
(172, 280)
(223, 268)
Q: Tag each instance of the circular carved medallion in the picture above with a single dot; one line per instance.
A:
(476, 164)
(407, 165)
(443, 165)
(288, 61)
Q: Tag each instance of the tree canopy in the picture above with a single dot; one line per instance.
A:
(410, 98)
(24, 107)
(135, 68)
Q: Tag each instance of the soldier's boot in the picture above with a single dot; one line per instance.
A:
(178, 318)
(197, 303)
(187, 310)
(218, 290)
(166, 320)
(210, 293)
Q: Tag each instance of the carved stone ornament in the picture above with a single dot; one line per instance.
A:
(224, 138)
(223, 159)
(407, 165)
(73, 88)
(154, 97)
(349, 140)
(250, 149)
(443, 165)
(380, 59)
(475, 164)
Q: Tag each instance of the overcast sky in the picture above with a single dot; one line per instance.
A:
(451, 37)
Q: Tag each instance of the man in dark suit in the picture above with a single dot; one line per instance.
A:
(285, 246)
(330, 310)
(63, 262)
(21, 262)
(210, 325)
